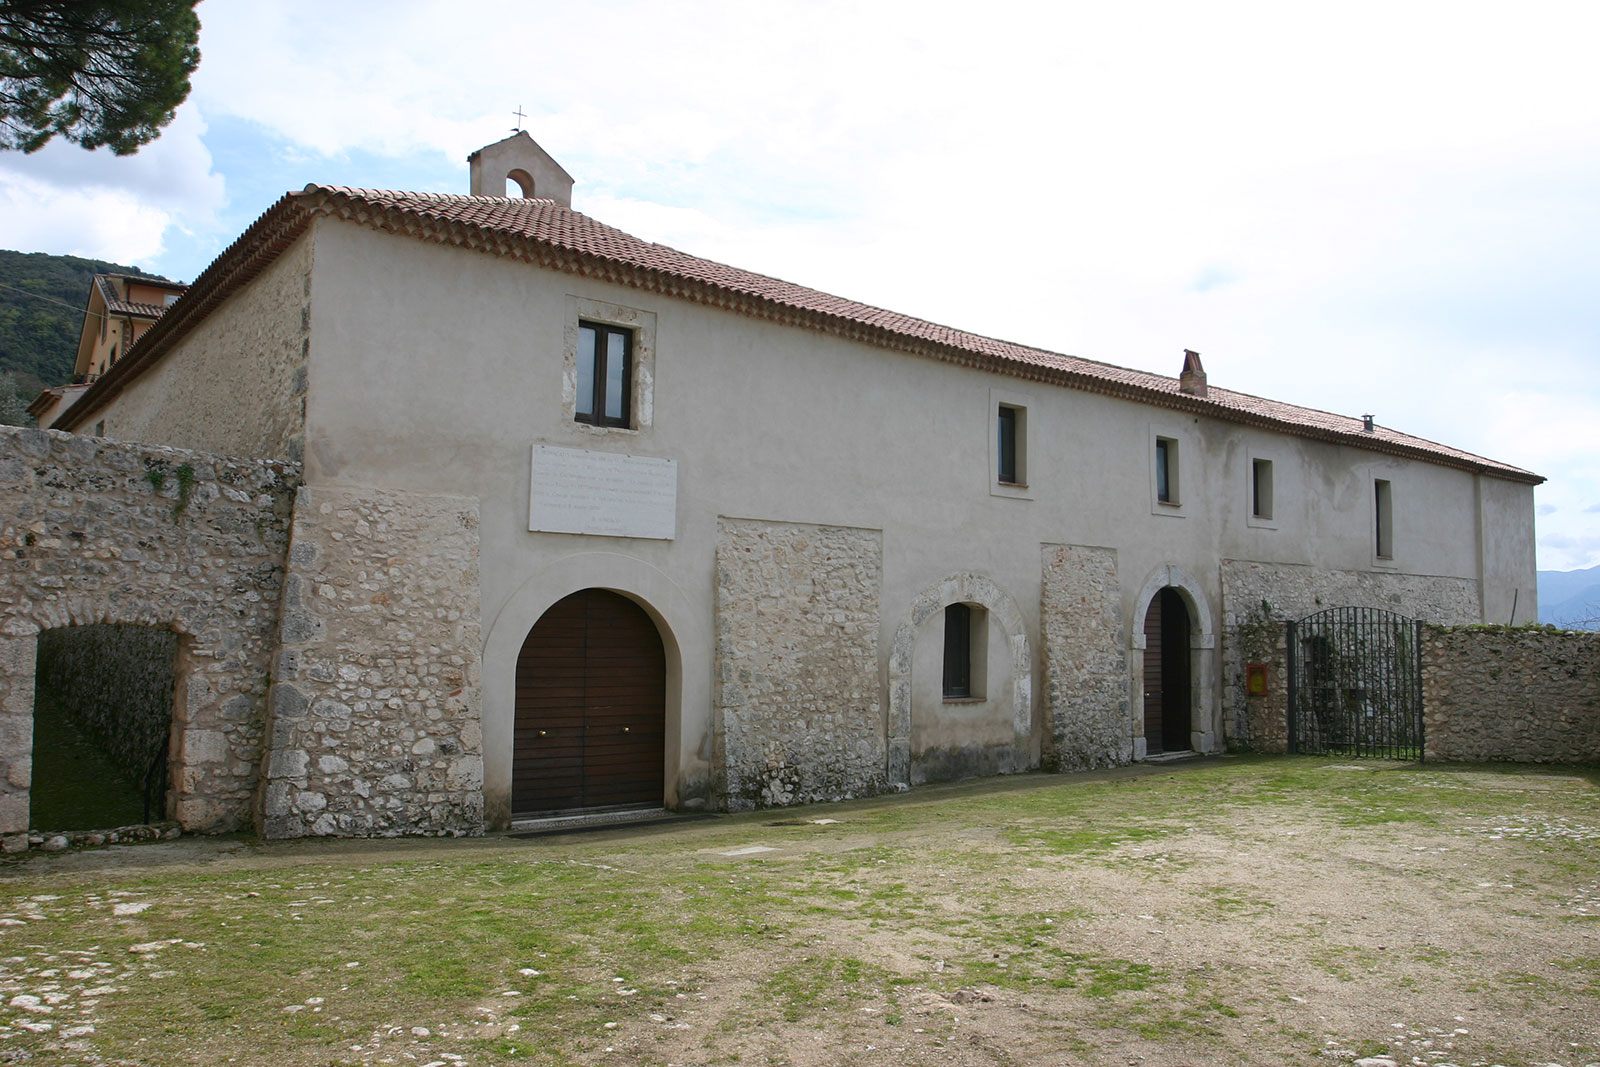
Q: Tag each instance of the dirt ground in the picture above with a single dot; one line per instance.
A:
(1232, 911)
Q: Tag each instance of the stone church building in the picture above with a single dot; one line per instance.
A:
(581, 521)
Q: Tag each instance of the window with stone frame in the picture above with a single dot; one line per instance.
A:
(1261, 488)
(1008, 444)
(1167, 471)
(1383, 519)
(605, 375)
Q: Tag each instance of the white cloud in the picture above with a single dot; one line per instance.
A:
(1367, 207)
(63, 199)
(97, 223)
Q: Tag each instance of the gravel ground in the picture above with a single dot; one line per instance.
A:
(1226, 911)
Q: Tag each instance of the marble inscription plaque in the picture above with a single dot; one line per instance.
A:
(575, 490)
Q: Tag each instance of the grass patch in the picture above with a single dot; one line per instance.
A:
(821, 984)
(1081, 841)
(872, 932)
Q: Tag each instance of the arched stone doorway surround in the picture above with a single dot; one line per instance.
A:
(205, 727)
(687, 770)
(963, 588)
(1202, 656)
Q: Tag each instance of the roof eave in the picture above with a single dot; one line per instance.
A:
(254, 250)
(287, 219)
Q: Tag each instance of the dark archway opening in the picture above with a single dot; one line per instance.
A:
(102, 716)
(590, 728)
(1167, 703)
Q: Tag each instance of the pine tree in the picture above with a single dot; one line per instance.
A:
(97, 72)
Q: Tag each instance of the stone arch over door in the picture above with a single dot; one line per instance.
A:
(1202, 655)
(684, 641)
(206, 790)
(963, 588)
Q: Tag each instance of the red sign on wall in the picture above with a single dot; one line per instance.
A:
(1256, 679)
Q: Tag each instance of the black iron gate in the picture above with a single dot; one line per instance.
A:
(1355, 684)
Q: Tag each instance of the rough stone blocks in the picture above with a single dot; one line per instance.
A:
(1086, 667)
(376, 724)
(797, 706)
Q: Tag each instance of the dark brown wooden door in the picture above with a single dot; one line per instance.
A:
(1166, 675)
(1152, 678)
(591, 707)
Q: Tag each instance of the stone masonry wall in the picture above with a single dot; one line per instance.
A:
(236, 383)
(375, 725)
(97, 531)
(1257, 596)
(1086, 667)
(1526, 694)
(798, 713)
(1265, 726)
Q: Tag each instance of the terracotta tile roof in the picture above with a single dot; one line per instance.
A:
(544, 233)
(116, 305)
(136, 308)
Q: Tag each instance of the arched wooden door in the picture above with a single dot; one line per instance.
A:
(1166, 674)
(591, 707)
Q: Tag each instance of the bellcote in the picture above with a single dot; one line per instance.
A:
(518, 159)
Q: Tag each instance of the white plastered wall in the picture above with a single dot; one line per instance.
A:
(792, 425)
(435, 369)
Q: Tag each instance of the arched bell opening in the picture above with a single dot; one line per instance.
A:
(523, 180)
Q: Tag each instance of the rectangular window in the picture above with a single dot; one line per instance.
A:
(1383, 515)
(966, 652)
(1007, 445)
(957, 652)
(1166, 470)
(1261, 488)
(605, 374)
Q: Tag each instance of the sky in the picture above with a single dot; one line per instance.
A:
(1390, 207)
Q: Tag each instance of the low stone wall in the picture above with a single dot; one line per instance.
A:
(99, 531)
(1256, 597)
(1086, 665)
(376, 723)
(797, 706)
(1525, 695)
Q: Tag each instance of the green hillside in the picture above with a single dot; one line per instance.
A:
(41, 310)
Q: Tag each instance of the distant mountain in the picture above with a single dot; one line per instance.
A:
(1570, 598)
(41, 311)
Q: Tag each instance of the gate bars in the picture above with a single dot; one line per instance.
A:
(1355, 684)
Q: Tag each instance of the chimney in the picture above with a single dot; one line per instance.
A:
(1193, 378)
(1367, 423)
